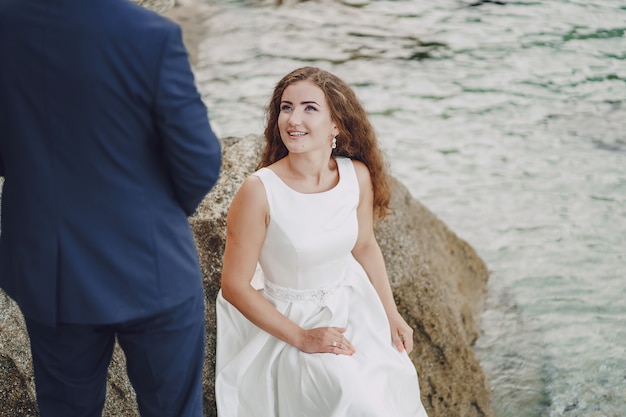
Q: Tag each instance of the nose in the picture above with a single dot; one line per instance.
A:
(294, 118)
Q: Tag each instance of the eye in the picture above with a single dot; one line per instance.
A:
(285, 107)
(310, 108)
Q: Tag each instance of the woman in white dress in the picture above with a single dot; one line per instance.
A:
(306, 322)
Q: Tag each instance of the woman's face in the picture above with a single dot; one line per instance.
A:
(304, 119)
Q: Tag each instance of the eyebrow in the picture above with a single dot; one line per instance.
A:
(303, 102)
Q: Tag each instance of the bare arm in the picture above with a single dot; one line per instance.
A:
(246, 227)
(368, 254)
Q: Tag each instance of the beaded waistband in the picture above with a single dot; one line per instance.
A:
(317, 295)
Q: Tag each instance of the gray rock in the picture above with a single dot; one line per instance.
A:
(438, 280)
(158, 6)
(439, 283)
(17, 392)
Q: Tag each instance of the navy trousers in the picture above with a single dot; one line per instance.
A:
(164, 355)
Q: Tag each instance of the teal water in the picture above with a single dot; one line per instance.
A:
(509, 122)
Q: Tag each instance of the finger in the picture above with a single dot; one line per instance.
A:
(408, 343)
(397, 341)
(342, 350)
(341, 347)
(406, 338)
(347, 345)
(338, 343)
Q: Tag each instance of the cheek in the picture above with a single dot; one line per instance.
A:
(282, 121)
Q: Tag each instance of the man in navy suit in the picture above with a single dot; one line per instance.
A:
(106, 148)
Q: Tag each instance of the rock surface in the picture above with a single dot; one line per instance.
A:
(438, 280)
(159, 6)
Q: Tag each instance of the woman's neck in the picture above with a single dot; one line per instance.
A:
(313, 174)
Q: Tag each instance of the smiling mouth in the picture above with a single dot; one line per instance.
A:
(296, 134)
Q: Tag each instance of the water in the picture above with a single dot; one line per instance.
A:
(509, 122)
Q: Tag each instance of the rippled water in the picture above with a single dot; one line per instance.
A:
(508, 120)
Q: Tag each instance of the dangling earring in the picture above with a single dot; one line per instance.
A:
(334, 142)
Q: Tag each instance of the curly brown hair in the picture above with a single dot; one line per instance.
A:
(356, 139)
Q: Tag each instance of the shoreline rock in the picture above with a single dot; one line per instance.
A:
(439, 284)
(438, 280)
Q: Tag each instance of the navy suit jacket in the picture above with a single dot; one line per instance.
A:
(106, 148)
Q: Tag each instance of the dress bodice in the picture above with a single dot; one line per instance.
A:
(310, 236)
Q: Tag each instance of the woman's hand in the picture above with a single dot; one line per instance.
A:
(401, 333)
(325, 340)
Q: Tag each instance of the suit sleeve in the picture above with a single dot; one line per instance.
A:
(191, 151)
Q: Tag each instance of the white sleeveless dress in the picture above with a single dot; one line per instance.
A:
(308, 272)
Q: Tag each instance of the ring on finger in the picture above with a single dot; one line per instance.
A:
(334, 343)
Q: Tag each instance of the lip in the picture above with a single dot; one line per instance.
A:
(296, 134)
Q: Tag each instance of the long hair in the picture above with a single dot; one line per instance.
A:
(356, 139)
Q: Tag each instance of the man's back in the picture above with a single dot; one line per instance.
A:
(105, 148)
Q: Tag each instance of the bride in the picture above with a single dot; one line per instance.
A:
(321, 335)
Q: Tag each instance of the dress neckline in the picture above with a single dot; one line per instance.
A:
(336, 186)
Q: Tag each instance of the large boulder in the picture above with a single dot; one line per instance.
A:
(438, 280)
